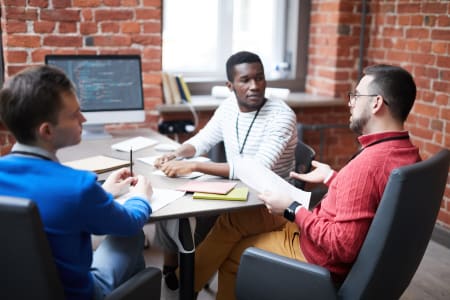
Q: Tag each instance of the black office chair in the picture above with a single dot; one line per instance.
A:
(389, 257)
(27, 267)
(304, 155)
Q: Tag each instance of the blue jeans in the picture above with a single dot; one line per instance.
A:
(116, 260)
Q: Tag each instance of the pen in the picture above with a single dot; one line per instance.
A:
(131, 161)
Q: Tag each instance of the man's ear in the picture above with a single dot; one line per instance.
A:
(230, 86)
(45, 131)
(377, 104)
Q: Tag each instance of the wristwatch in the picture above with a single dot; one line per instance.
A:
(289, 212)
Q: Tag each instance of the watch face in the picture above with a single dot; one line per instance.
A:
(289, 213)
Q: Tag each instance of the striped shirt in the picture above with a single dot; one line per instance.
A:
(271, 139)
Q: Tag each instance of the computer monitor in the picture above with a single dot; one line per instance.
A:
(109, 88)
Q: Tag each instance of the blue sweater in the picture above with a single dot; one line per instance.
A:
(72, 206)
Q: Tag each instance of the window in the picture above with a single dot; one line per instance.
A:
(199, 36)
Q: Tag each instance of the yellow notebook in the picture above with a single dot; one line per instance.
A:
(236, 194)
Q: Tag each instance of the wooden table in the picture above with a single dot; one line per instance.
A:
(181, 208)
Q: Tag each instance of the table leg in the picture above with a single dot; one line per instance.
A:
(187, 260)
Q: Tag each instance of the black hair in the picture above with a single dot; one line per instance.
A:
(396, 86)
(241, 58)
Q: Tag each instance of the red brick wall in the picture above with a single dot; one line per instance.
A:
(33, 28)
(412, 34)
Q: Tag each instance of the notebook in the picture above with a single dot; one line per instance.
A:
(236, 194)
(160, 198)
(98, 164)
(215, 187)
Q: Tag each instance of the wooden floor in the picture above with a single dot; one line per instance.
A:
(431, 281)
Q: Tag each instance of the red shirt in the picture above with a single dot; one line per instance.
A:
(332, 234)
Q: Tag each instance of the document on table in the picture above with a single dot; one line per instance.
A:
(136, 143)
(151, 159)
(216, 187)
(160, 198)
(261, 179)
(98, 164)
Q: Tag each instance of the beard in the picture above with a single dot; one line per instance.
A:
(357, 124)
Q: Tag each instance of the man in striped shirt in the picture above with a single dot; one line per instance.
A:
(249, 124)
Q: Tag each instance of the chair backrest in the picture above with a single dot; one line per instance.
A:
(28, 269)
(304, 154)
(400, 232)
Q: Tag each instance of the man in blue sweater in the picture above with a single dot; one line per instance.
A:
(40, 108)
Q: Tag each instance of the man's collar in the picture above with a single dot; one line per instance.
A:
(33, 149)
(364, 140)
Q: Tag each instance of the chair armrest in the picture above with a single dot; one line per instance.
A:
(145, 284)
(265, 275)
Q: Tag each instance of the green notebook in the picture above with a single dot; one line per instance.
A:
(236, 194)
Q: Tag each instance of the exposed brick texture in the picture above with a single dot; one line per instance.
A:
(413, 34)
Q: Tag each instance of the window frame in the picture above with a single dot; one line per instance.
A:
(297, 40)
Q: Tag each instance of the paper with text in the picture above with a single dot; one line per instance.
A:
(261, 179)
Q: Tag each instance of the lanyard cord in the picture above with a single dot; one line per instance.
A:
(248, 131)
(26, 153)
(403, 137)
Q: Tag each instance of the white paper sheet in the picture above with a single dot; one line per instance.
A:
(160, 198)
(261, 179)
(136, 143)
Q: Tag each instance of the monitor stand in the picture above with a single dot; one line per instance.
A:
(95, 132)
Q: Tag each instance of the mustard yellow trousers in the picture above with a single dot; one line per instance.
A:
(232, 233)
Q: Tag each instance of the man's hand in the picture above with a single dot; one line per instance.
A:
(142, 187)
(118, 180)
(176, 168)
(276, 203)
(317, 175)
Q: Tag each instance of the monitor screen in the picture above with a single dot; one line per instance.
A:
(109, 88)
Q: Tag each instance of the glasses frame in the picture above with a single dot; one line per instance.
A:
(352, 96)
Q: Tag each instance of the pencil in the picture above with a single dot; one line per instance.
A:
(131, 161)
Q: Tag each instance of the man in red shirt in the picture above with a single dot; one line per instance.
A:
(332, 234)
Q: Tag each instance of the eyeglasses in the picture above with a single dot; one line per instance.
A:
(353, 96)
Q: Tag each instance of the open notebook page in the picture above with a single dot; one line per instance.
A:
(160, 198)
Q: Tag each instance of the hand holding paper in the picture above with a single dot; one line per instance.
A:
(276, 203)
(261, 179)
